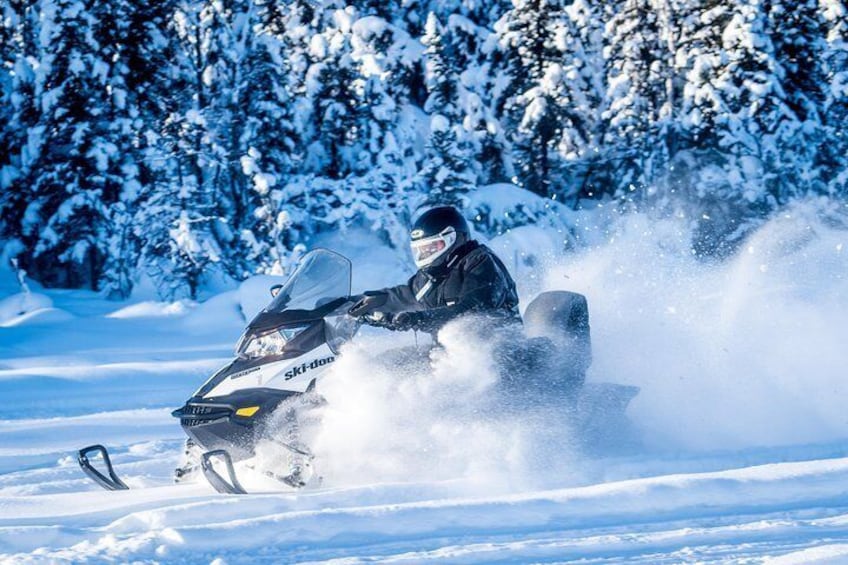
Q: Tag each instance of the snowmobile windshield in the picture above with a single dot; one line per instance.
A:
(321, 277)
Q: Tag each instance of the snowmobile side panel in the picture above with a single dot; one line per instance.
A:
(263, 368)
(229, 485)
(111, 482)
(288, 375)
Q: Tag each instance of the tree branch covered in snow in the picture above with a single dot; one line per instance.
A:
(183, 139)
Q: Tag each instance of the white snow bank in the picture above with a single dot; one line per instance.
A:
(51, 435)
(22, 303)
(528, 252)
(499, 207)
(30, 308)
(220, 312)
(153, 309)
(830, 554)
(39, 317)
(504, 200)
(570, 524)
(254, 294)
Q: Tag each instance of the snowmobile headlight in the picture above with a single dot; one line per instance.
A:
(268, 345)
(264, 346)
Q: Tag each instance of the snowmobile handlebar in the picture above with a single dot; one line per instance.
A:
(367, 303)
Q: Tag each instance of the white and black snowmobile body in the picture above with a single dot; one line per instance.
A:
(229, 410)
(281, 356)
(289, 345)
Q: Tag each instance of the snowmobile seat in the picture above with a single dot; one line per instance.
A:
(562, 317)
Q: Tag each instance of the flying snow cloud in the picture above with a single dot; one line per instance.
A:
(440, 418)
(743, 353)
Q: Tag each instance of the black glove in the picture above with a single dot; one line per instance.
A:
(404, 321)
(400, 322)
(377, 319)
(368, 303)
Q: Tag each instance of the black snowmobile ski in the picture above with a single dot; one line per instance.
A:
(229, 485)
(110, 482)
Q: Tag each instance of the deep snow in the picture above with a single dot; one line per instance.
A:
(745, 437)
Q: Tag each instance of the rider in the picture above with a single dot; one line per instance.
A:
(456, 275)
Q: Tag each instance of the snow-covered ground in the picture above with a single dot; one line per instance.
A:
(744, 453)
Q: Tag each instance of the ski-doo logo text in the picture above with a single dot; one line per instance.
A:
(302, 368)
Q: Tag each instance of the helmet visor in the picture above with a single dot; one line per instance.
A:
(428, 249)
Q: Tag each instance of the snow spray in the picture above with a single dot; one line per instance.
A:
(442, 420)
(746, 352)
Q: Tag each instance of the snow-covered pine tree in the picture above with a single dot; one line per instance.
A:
(180, 252)
(377, 152)
(483, 14)
(469, 29)
(182, 217)
(20, 136)
(229, 37)
(11, 51)
(735, 120)
(249, 136)
(295, 23)
(283, 213)
(755, 97)
(535, 66)
(149, 52)
(581, 98)
(331, 89)
(387, 60)
(834, 62)
(268, 140)
(245, 88)
(448, 172)
(638, 104)
(129, 115)
(77, 178)
(798, 34)
(383, 10)
(327, 113)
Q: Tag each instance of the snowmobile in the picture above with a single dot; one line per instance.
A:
(270, 389)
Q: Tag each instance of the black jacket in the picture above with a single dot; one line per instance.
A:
(472, 279)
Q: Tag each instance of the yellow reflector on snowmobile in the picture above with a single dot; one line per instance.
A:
(247, 412)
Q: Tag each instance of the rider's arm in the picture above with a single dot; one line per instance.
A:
(484, 289)
(401, 298)
(393, 299)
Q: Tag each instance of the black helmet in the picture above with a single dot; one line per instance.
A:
(435, 233)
